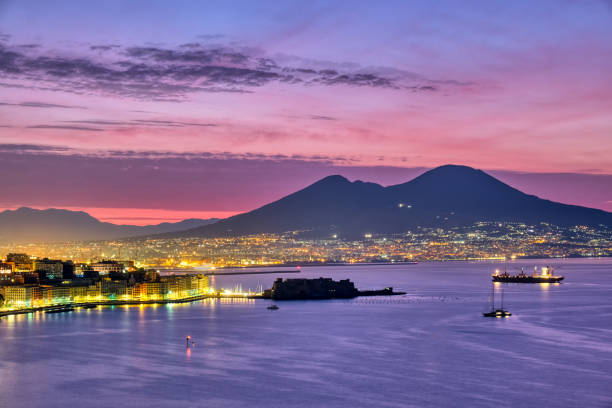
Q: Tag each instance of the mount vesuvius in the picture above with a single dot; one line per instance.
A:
(446, 196)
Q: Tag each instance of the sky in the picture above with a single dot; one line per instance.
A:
(149, 111)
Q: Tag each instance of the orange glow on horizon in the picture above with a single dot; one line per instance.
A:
(142, 216)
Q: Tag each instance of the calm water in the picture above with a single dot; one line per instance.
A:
(431, 347)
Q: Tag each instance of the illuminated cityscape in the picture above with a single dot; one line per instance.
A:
(29, 283)
(34, 275)
(483, 240)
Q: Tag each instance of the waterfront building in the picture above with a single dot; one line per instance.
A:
(6, 267)
(180, 286)
(94, 292)
(78, 293)
(21, 262)
(52, 295)
(22, 295)
(6, 272)
(29, 278)
(151, 275)
(11, 279)
(113, 290)
(173, 286)
(51, 268)
(154, 290)
(106, 267)
(137, 291)
(132, 292)
(68, 270)
(202, 283)
(80, 269)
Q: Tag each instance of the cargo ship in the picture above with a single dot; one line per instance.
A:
(545, 276)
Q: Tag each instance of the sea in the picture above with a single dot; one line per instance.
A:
(428, 348)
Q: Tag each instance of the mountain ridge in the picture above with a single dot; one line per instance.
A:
(26, 224)
(448, 195)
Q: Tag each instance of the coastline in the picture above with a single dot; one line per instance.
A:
(248, 273)
(114, 303)
(237, 270)
(219, 295)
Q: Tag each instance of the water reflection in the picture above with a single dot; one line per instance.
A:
(429, 348)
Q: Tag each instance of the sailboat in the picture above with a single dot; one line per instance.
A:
(497, 312)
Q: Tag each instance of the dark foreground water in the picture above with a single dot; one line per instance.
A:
(431, 347)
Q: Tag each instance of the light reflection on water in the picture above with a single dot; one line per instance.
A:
(430, 347)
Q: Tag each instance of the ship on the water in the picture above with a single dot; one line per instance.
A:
(547, 275)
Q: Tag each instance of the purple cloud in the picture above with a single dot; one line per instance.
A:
(84, 128)
(171, 73)
(40, 105)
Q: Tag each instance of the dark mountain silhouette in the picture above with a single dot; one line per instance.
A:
(446, 196)
(30, 225)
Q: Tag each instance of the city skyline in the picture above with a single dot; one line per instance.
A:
(211, 110)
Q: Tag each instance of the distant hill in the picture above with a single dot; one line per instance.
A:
(30, 225)
(445, 196)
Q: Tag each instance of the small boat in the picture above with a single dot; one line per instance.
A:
(497, 313)
(89, 306)
(501, 312)
(273, 307)
(189, 342)
(60, 310)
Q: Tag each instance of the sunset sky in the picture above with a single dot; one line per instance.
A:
(147, 111)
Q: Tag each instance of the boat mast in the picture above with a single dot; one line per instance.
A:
(502, 297)
(493, 297)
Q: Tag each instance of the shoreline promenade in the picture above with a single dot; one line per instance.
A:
(216, 295)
